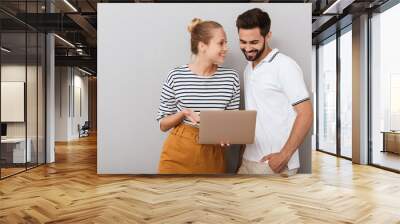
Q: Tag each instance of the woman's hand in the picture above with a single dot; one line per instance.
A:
(191, 115)
(225, 144)
(175, 119)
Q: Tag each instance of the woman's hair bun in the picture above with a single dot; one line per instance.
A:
(193, 24)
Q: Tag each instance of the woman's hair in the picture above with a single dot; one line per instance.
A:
(200, 31)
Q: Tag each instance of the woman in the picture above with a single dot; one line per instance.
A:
(188, 89)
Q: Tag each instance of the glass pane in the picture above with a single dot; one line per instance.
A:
(13, 86)
(346, 94)
(23, 89)
(41, 99)
(386, 89)
(327, 97)
(31, 101)
(31, 85)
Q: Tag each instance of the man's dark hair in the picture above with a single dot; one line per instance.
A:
(254, 18)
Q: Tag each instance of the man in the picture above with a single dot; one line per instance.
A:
(274, 86)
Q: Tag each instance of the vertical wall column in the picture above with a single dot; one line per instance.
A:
(50, 98)
(360, 90)
(92, 88)
(63, 85)
(50, 92)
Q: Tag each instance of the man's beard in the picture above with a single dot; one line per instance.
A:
(256, 56)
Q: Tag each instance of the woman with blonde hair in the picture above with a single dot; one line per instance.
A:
(200, 85)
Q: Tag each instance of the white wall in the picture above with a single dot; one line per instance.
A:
(79, 117)
(61, 103)
(68, 82)
(133, 63)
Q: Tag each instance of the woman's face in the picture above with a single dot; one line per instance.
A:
(216, 49)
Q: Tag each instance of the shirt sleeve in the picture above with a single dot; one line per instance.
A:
(167, 100)
(292, 82)
(235, 101)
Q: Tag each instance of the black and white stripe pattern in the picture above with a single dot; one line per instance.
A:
(184, 89)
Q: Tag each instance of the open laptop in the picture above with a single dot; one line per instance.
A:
(228, 126)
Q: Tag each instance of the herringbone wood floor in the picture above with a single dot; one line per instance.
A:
(70, 191)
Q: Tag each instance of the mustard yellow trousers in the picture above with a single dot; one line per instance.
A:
(181, 154)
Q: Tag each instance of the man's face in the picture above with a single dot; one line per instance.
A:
(252, 43)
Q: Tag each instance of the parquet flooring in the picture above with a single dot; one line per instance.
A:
(70, 191)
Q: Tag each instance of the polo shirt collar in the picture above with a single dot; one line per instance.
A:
(269, 58)
(271, 55)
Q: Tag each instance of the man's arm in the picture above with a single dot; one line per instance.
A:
(301, 126)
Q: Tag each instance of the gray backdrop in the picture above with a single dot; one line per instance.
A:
(139, 43)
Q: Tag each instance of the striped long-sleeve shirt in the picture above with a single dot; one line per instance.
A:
(184, 89)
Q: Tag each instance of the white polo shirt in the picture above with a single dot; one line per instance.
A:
(272, 88)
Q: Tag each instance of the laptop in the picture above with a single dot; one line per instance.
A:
(228, 126)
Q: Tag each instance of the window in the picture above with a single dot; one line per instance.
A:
(327, 97)
(385, 89)
(346, 94)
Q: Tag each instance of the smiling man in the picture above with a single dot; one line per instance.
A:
(274, 86)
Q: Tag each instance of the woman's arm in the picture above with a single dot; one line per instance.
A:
(171, 121)
(235, 100)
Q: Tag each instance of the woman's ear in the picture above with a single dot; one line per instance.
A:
(202, 47)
